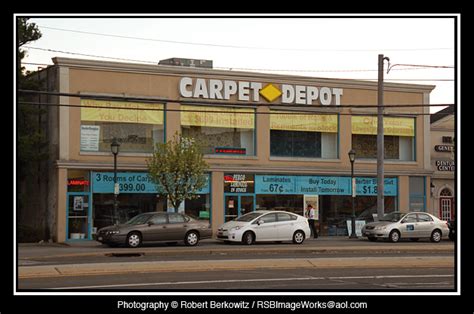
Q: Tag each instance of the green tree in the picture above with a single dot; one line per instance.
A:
(32, 215)
(177, 168)
(31, 140)
(27, 32)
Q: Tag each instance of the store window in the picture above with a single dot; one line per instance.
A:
(198, 208)
(226, 131)
(399, 137)
(136, 126)
(289, 203)
(336, 210)
(128, 206)
(303, 135)
(417, 194)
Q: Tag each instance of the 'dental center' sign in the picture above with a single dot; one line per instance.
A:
(251, 91)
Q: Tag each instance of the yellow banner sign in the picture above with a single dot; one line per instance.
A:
(218, 117)
(303, 122)
(111, 111)
(391, 126)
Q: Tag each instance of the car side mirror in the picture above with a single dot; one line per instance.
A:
(403, 221)
(259, 222)
(150, 223)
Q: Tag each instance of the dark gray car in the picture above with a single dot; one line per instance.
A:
(156, 227)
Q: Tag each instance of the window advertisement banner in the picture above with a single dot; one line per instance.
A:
(218, 117)
(275, 184)
(129, 182)
(110, 111)
(391, 126)
(368, 186)
(323, 185)
(312, 185)
(303, 122)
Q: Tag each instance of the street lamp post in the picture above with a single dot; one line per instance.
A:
(114, 147)
(352, 159)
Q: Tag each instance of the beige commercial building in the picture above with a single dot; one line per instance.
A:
(271, 141)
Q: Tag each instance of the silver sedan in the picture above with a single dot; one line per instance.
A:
(413, 226)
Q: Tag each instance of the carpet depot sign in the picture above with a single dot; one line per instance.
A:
(251, 91)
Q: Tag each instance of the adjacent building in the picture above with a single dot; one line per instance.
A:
(443, 189)
(272, 142)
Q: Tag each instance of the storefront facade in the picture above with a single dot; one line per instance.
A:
(443, 190)
(263, 151)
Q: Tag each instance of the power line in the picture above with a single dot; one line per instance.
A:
(232, 68)
(360, 79)
(419, 66)
(214, 102)
(236, 46)
(87, 55)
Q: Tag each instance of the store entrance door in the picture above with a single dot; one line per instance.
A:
(237, 205)
(78, 220)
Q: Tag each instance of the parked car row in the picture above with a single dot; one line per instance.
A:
(262, 225)
(175, 227)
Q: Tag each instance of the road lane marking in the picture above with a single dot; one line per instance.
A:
(249, 280)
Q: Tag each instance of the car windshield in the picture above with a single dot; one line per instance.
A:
(393, 217)
(139, 219)
(248, 217)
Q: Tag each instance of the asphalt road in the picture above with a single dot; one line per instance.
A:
(289, 279)
(318, 265)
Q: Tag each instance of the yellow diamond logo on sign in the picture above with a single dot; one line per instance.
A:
(270, 92)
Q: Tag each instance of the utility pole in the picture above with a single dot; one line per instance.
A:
(380, 141)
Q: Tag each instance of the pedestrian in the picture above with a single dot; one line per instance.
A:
(310, 214)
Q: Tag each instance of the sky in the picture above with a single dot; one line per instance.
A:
(316, 46)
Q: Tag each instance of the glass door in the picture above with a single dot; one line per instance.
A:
(231, 207)
(78, 216)
(237, 205)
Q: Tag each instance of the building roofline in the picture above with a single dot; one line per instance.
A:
(446, 112)
(157, 69)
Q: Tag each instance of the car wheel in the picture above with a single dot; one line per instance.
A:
(192, 238)
(414, 239)
(248, 238)
(372, 239)
(134, 239)
(435, 236)
(298, 237)
(394, 236)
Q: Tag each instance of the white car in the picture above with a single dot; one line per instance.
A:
(412, 225)
(265, 225)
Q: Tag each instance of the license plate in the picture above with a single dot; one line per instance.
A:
(99, 238)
